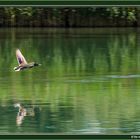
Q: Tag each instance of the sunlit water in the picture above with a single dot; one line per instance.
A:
(88, 83)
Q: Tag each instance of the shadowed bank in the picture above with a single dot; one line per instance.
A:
(70, 16)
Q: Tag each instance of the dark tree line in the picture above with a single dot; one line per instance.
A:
(69, 17)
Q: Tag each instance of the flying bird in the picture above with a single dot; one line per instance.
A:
(23, 63)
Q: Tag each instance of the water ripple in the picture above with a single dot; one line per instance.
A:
(87, 80)
(123, 76)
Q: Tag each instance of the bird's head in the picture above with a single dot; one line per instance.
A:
(36, 64)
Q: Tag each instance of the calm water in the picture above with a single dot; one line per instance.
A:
(89, 81)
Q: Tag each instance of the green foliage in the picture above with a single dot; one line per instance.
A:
(131, 15)
(68, 17)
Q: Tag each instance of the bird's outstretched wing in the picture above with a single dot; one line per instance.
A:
(20, 57)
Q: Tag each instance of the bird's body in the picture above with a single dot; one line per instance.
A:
(23, 63)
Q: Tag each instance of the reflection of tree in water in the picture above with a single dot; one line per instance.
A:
(75, 49)
(100, 52)
(61, 119)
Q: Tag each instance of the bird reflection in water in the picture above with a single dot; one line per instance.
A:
(22, 112)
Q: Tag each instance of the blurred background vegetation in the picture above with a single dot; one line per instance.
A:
(69, 16)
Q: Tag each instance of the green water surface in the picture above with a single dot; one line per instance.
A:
(88, 83)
